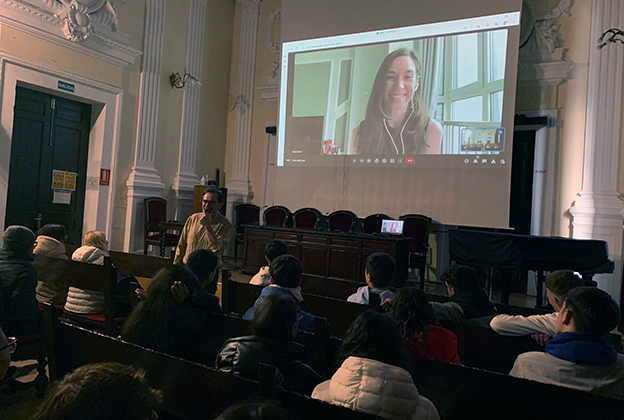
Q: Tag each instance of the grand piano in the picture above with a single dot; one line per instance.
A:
(540, 254)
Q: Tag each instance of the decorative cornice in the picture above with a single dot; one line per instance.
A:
(552, 73)
(6, 58)
(72, 25)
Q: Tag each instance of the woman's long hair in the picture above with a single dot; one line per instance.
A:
(374, 336)
(372, 132)
(411, 312)
(275, 317)
(158, 301)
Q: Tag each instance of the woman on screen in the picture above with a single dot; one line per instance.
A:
(396, 121)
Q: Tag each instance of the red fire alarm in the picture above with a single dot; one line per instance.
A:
(104, 176)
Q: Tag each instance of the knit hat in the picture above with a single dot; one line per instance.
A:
(18, 239)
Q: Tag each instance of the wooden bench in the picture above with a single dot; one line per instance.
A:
(464, 393)
(237, 297)
(190, 391)
(99, 278)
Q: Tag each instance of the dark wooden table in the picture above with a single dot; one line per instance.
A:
(326, 254)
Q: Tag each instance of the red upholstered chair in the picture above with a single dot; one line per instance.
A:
(275, 216)
(246, 214)
(417, 227)
(341, 221)
(372, 223)
(306, 218)
(155, 214)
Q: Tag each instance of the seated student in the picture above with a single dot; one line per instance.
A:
(414, 316)
(285, 272)
(274, 327)
(579, 357)
(205, 265)
(101, 391)
(179, 329)
(51, 240)
(558, 284)
(468, 299)
(19, 314)
(272, 250)
(93, 250)
(373, 376)
(379, 272)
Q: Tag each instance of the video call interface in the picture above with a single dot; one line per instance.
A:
(403, 96)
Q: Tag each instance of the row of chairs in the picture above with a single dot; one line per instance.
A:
(415, 226)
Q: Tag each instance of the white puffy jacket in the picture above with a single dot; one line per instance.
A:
(376, 388)
(83, 301)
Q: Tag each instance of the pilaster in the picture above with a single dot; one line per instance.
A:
(598, 212)
(144, 181)
(239, 185)
(185, 179)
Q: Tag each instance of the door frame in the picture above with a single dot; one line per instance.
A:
(106, 101)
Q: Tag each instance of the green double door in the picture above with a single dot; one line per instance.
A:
(47, 173)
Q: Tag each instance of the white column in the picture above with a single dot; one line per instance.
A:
(185, 178)
(239, 184)
(144, 181)
(598, 212)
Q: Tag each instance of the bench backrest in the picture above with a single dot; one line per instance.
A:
(330, 287)
(190, 391)
(139, 265)
(237, 297)
(99, 278)
(461, 392)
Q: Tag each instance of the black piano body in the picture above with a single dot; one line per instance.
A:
(541, 254)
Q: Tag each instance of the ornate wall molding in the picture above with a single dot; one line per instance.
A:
(272, 46)
(598, 212)
(185, 179)
(87, 26)
(541, 57)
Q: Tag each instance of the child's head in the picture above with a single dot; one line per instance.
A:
(460, 277)
(559, 284)
(274, 249)
(588, 309)
(285, 271)
(95, 238)
(380, 269)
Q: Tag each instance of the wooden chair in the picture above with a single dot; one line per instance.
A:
(372, 223)
(417, 227)
(306, 218)
(246, 214)
(276, 216)
(155, 235)
(341, 221)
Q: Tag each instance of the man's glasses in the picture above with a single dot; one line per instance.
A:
(11, 346)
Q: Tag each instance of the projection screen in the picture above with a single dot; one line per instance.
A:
(398, 107)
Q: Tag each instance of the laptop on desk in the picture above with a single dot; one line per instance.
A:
(392, 227)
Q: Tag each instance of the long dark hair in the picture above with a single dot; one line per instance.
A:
(275, 317)
(411, 312)
(374, 336)
(371, 132)
(158, 300)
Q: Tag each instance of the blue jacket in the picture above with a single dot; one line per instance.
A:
(307, 319)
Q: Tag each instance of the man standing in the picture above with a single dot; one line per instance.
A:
(205, 230)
